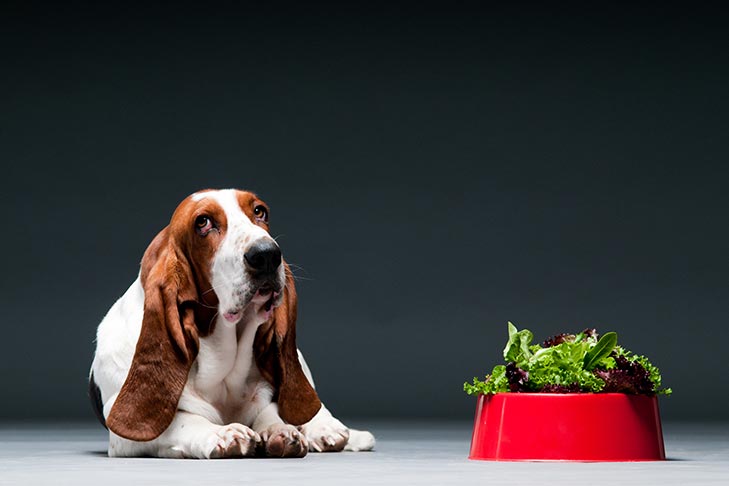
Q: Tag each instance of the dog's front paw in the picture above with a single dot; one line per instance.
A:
(233, 440)
(325, 434)
(283, 440)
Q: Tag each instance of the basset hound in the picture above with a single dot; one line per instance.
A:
(198, 358)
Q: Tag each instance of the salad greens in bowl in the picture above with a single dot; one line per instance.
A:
(569, 363)
(551, 401)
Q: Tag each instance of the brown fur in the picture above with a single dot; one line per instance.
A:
(167, 346)
(179, 308)
(278, 360)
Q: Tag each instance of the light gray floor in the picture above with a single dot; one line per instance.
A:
(407, 453)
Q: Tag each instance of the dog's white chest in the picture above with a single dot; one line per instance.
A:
(225, 374)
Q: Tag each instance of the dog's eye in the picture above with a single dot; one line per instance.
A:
(203, 225)
(261, 213)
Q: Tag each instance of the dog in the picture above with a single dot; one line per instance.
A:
(198, 358)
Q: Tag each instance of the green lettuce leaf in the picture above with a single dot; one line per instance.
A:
(569, 363)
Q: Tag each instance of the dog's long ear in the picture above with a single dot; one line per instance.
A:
(277, 358)
(167, 346)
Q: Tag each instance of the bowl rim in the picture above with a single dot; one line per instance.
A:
(573, 394)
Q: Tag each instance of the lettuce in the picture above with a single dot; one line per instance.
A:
(569, 363)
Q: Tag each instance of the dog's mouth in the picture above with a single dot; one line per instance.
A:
(265, 289)
(233, 316)
(264, 300)
(267, 292)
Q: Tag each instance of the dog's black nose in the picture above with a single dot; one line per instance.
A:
(264, 256)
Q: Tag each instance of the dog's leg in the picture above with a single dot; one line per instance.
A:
(360, 440)
(279, 439)
(327, 434)
(191, 436)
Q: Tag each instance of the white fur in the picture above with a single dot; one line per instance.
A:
(226, 407)
(229, 276)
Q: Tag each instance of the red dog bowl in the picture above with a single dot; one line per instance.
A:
(567, 427)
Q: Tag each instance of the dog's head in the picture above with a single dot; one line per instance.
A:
(215, 258)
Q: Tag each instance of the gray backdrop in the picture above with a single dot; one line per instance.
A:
(433, 171)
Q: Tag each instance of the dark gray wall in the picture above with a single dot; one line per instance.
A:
(434, 171)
